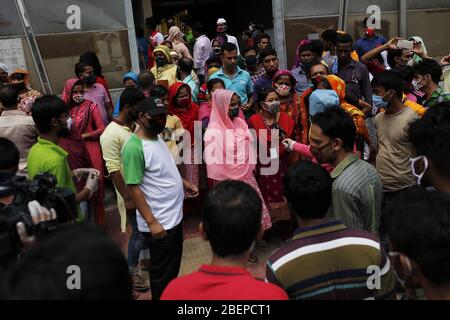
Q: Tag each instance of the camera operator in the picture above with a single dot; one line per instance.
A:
(52, 120)
(9, 166)
(46, 271)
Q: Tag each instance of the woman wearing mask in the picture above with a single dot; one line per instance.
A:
(176, 37)
(181, 105)
(216, 48)
(93, 91)
(91, 59)
(20, 80)
(268, 121)
(88, 124)
(204, 112)
(284, 85)
(130, 80)
(228, 137)
(315, 71)
(164, 69)
(336, 84)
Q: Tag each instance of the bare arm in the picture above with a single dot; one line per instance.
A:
(391, 44)
(138, 197)
(119, 183)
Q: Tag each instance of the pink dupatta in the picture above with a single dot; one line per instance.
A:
(227, 139)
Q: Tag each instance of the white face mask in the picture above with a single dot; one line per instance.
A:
(419, 176)
(69, 123)
(416, 85)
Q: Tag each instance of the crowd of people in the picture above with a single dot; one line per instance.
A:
(359, 130)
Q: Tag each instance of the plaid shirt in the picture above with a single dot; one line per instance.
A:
(437, 97)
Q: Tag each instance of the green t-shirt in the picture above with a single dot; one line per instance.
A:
(47, 157)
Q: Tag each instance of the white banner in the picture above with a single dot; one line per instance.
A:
(11, 53)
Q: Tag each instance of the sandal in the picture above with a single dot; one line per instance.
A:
(253, 258)
(139, 283)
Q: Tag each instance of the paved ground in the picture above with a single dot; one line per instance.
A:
(195, 251)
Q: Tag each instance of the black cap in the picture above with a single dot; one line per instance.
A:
(152, 106)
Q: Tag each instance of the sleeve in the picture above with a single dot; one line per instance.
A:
(235, 42)
(63, 177)
(111, 152)
(303, 150)
(250, 88)
(133, 162)
(388, 282)
(271, 276)
(446, 77)
(98, 122)
(197, 52)
(366, 87)
(107, 97)
(256, 89)
(159, 38)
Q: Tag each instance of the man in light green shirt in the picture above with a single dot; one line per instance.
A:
(357, 190)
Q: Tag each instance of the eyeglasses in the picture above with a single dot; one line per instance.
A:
(322, 147)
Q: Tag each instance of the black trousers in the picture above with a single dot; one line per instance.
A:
(165, 259)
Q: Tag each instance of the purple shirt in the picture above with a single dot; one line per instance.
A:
(99, 96)
(261, 84)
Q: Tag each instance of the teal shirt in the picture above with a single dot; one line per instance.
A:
(190, 81)
(241, 83)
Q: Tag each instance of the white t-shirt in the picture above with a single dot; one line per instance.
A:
(232, 39)
(149, 164)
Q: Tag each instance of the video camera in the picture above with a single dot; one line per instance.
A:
(43, 189)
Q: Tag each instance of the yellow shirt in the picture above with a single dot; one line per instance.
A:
(168, 72)
(112, 141)
(173, 129)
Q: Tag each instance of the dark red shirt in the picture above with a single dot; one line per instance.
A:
(221, 283)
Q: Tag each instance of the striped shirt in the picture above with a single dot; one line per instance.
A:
(357, 194)
(330, 261)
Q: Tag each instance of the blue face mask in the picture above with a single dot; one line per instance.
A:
(378, 102)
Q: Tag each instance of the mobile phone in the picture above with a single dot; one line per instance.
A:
(405, 44)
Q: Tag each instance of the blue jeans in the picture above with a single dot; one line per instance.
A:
(137, 241)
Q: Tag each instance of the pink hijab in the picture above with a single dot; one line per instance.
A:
(228, 139)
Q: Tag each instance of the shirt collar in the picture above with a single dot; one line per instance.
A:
(223, 270)
(122, 125)
(343, 165)
(51, 145)
(238, 71)
(299, 232)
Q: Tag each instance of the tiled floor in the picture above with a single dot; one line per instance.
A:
(195, 251)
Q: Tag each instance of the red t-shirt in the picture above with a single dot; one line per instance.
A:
(221, 283)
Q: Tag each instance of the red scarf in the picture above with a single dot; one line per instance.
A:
(187, 115)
